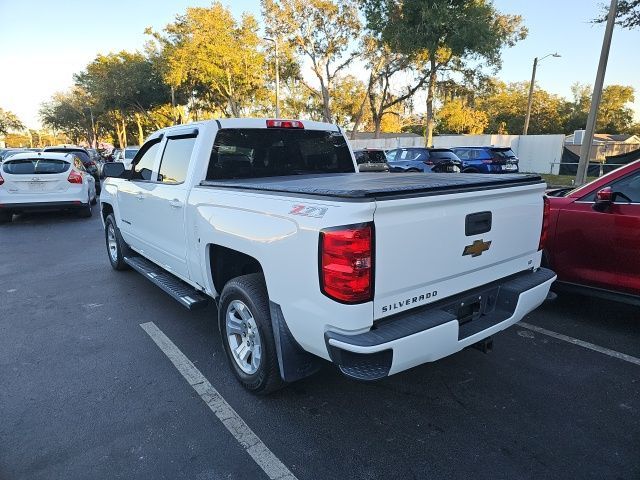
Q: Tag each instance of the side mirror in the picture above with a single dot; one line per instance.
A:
(604, 199)
(114, 170)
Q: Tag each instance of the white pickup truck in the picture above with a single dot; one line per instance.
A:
(308, 260)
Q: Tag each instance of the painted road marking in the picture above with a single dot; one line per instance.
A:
(582, 343)
(264, 457)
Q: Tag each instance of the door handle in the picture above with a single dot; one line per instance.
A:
(175, 203)
(140, 196)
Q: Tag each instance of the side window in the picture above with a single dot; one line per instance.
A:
(175, 159)
(143, 161)
(391, 156)
(78, 164)
(629, 186)
(462, 154)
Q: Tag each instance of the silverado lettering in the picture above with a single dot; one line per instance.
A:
(409, 301)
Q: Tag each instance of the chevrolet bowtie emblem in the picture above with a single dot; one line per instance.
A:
(476, 248)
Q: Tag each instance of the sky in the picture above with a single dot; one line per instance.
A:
(43, 43)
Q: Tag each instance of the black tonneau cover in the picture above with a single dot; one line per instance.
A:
(376, 185)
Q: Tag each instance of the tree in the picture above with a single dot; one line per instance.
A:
(384, 66)
(322, 31)
(628, 14)
(450, 33)
(127, 85)
(457, 117)
(614, 115)
(215, 58)
(505, 106)
(69, 112)
(9, 121)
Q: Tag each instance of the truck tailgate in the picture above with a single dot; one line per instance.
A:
(429, 248)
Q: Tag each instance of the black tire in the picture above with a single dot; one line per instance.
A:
(98, 186)
(413, 170)
(6, 217)
(94, 200)
(470, 170)
(86, 211)
(121, 248)
(251, 290)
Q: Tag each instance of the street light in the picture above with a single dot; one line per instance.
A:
(531, 86)
(275, 42)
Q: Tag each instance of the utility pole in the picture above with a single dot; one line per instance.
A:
(587, 141)
(275, 42)
(531, 87)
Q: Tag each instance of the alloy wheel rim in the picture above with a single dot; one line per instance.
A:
(111, 243)
(243, 337)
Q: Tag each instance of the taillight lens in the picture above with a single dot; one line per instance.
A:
(74, 177)
(1, 180)
(544, 233)
(284, 124)
(346, 263)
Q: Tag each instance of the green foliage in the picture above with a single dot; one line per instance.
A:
(506, 106)
(211, 54)
(627, 16)
(457, 117)
(9, 121)
(321, 31)
(450, 33)
(69, 112)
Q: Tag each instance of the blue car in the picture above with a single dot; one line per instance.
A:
(487, 159)
(419, 159)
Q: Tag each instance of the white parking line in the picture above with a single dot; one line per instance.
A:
(582, 343)
(264, 457)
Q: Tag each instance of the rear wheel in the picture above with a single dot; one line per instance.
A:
(412, 170)
(86, 211)
(470, 170)
(117, 249)
(245, 326)
(6, 217)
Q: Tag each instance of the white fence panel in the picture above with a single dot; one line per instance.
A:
(540, 153)
(387, 143)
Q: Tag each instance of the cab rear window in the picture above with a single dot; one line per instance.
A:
(259, 152)
(35, 166)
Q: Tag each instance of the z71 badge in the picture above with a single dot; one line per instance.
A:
(308, 211)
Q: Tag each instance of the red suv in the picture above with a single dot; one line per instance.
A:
(594, 235)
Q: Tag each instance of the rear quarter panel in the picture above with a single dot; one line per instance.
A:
(286, 245)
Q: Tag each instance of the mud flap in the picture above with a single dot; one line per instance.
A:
(295, 363)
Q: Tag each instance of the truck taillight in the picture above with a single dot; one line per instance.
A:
(544, 233)
(346, 263)
(74, 177)
(284, 124)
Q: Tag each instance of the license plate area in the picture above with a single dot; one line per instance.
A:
(36, 186)
(474, 307)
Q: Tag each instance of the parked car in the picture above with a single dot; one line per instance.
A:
(417, 159)
(127, 157)
(487, 159)
(371, 160)
(45, 181)
(594, 236)
(89, 164)
(8, 152)
(308, 260)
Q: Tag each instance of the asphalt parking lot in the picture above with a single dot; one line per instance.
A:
(85, 392)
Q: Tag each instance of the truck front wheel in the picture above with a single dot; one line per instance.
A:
(247, 336)
(116, 247)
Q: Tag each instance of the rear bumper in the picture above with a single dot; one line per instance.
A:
(22, 207)
(430, 333)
